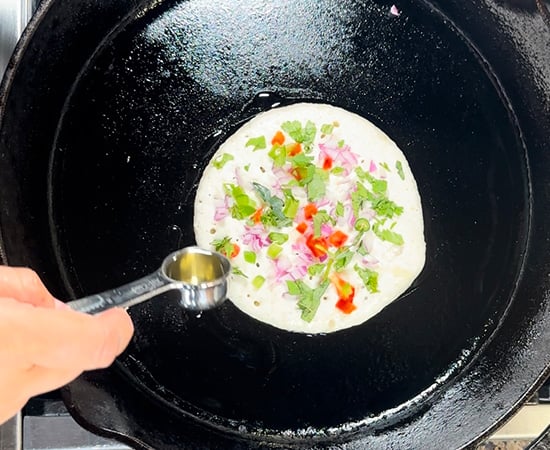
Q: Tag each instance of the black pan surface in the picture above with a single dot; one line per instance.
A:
(137, 132)
(147, 109)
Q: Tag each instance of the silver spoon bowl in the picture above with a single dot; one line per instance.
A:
(200, 277)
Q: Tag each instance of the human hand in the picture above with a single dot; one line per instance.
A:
(44, 344)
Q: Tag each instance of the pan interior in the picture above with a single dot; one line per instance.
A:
(148, 111)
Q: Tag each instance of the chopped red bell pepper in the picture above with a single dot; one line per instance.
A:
(278, 139)
(294, 149)
(310, 210)
(345, 306)
(317, 245)
(337, 238)
(257, 216)
(236, 250)
(301, 227)
(327, 163)
(346, 292)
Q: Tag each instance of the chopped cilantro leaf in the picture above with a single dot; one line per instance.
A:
(304, 135)
(342, 258)
(315, 269)
(316, 187)
(388, 235)
(221, 160)
(278, 238)
(379, 187)
(223, 246)
(386, 208)
(274, 215)
(341, 143)
(244, 206)
(293, 129)
(258, 143)
(301, 160)
(308, 299)
(319, 219)
(340, 209)
(385, 166)
(238, 271)
(327, 128)
(369, 277)
(399, 167)
(337, 170)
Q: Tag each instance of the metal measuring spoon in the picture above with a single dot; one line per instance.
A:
(199, 275)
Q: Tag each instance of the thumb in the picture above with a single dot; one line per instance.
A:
(119, 329)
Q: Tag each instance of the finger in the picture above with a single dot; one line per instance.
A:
(62, 338)
(24, 285)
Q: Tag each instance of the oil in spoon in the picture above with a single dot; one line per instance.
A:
(195, 268)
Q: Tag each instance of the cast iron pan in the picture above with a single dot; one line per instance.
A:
(111, 110)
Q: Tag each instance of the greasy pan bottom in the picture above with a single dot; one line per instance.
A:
(134, 139)
(139, 125)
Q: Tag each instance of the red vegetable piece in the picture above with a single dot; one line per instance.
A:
(236, 250)
(257, 216)
(301, 227)
(327, 163)
(278, 139)
(310, 210)
(317, 245)
(338, 238)
(345, 306)
(294, 149)
(345, 291)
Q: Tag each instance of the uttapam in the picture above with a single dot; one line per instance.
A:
(319, 213)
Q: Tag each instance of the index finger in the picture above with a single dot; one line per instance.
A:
(24, 285)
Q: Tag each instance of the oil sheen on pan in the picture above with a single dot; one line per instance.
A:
(319, 213)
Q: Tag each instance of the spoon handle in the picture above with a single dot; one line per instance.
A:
(124, 296)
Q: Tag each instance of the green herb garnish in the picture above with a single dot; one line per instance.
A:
(258, 281)
(273, 215)
(278, 238)
(258, 143)
(237, 271)
(399, 167)
(223, 246)
(244, 205)
(274, 250)
(327, 128)
(249, 256)
(388, 235)
(386, 208)
(291, 204)
(221, 160)
(369, 277)
(304, 135)
(315, 269)
(319, 219)
(308, 299)
(278, 155)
